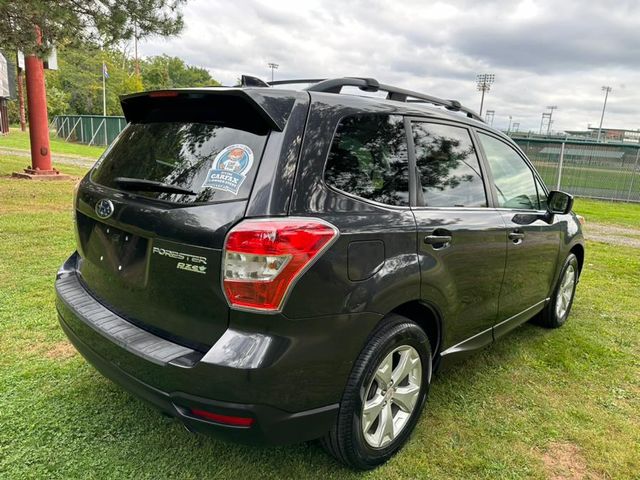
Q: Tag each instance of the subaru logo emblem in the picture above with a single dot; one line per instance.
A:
(104, 208)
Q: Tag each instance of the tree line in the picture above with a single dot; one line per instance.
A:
(76, 87)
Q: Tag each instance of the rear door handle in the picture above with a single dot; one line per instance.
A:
(516, 237)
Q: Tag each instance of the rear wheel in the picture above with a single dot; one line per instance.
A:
(384, 396)
(557, 311)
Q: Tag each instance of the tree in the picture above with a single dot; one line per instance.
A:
(80, 76)
(76, 87)
(171, 72)
(64, 22)
(34, 26)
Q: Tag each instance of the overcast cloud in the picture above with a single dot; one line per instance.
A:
(542, 52)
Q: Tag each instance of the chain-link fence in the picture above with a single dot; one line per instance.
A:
(587, 169)
(89, 129)
(608, 171)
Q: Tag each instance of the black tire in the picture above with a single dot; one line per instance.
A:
(346, 441)
(549, 317)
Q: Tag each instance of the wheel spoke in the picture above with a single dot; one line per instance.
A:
(385, 428)
(383, 374)
(406, 364)
(406, 397)
(371, 411)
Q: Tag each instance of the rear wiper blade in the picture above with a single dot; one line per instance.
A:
(141, 185)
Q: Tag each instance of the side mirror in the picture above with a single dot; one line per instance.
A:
(559, 203)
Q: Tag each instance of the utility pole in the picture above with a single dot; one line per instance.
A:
(606, 89)
(551, 109)
(484, 82)
(273, 67)
(41, 167)
(488, 117)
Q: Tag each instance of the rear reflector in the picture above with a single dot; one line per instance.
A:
(264, 257)
(224, 419)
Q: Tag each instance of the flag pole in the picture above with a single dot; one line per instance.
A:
(104, 92)
(104, 101)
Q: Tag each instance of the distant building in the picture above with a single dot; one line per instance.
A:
(5, 95)
(613, 134)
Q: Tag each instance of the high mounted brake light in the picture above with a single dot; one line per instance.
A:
(163, 93)
(263, 258)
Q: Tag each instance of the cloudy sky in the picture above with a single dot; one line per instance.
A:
(542, 52)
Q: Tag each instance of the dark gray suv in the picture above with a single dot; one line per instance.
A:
(275, 266)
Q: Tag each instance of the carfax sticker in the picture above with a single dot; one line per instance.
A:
(229, 169)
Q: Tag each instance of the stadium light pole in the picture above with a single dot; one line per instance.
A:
(273, 67)
(551, 109)
(606, 89)
(484, 82)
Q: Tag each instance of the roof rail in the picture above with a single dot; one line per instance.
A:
(335, 85)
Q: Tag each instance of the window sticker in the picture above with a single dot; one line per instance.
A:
(229, 169)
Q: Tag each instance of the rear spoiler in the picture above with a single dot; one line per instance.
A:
(258, 110)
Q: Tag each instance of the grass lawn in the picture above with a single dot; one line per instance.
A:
(20, 140)
(538, 404)
(610, 213)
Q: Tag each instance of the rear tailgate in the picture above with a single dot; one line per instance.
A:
(153, 255)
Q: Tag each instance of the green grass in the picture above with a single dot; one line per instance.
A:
(20, 140)
(504, 413)
(610, 213)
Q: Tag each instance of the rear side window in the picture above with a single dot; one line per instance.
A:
(448, 166)
(513, 179)
(368, 158)
(217, 163)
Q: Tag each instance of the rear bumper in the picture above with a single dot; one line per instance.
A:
(272, 426)
(288, 381)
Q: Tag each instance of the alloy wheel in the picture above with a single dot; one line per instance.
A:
(391, 396)
(565, 292)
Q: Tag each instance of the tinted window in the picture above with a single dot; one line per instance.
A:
(448, 166)
(368, 158)
(512, 177)
(196, 156)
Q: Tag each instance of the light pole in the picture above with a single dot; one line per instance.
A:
(509, 127)
(484, 82)
(606, 89)
(488, 117)
(551, 109)
(273, 67)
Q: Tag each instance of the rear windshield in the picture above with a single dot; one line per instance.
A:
(217, 163)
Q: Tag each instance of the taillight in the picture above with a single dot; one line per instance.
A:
(264, 257)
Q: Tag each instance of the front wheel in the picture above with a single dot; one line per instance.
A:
(384, 396)
(556, 312)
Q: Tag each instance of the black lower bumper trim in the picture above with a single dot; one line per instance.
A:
(272, 426)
